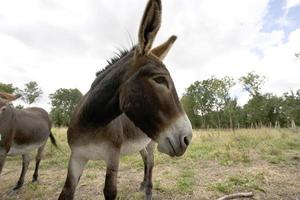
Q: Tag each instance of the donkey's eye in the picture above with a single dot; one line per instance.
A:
(2, 109)
(161, 80)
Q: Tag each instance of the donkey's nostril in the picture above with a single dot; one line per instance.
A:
(186, 140)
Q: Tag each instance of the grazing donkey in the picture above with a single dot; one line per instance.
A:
(131, 102)
(22, 131)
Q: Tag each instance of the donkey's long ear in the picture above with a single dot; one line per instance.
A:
(6, 97)
(149, 26)
(162, 50)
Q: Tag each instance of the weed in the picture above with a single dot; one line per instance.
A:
(235, 183)
(186, 181)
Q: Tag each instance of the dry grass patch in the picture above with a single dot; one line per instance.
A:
(264, 161)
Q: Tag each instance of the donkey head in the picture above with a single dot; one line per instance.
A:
(148, 96)
(6, 118)
(5, 98)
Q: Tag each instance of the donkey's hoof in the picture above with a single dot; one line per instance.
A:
(142, 187)
(17, 187)
(34, 180)
(148, 197)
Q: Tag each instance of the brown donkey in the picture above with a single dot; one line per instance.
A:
(22, 131)
(131, 102)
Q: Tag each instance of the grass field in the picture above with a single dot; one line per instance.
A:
(264, 161)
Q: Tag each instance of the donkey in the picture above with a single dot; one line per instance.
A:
(22, 131)
(131, 103)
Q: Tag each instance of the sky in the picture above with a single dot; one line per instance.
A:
(63, 43)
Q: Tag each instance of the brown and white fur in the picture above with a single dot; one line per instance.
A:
(130, 105)
(22, 131)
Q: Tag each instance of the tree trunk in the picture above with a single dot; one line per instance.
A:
(260, 124)
(203, 125)
(231, 122)
(277, 124)
(219, 121)
(293, 124)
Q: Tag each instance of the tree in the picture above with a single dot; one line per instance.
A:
(20, 107)
(189, 107)
(252, 83)
(208, 104)
(231, 110)
(207, 100)
(222, 100)
(273, 110)
(8, 88)
(291, 106)
(201, 96)
(31, 92)
(63, 103)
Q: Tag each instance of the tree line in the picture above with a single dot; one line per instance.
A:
(209, 104)
(63, 101)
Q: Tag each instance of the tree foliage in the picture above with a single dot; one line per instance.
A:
(208, 99)
(31, 92)
(208, 104)
(63, 103)
(291, 107)
(8, 88)
(252, 83)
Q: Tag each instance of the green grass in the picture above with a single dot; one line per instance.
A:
(185, 182)
(274, 146)
(236, 183)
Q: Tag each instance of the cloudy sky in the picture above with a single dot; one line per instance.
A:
(62, 43)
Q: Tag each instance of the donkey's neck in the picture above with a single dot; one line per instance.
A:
(7, 124)
(101, 104)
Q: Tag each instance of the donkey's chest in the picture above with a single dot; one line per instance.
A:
(133, 146)
(104, 149)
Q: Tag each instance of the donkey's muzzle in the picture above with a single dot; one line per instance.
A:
(176, 138)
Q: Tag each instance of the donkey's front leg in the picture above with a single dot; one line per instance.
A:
(110, 188)
(76, 166)
(148, 158)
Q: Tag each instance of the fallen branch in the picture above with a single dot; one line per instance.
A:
(237, 195)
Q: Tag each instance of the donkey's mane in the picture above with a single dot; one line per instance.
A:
(118, 55)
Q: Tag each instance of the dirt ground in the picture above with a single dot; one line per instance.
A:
(217, 163)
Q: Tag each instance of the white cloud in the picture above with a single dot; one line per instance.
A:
(280, 65)
(292, 3)
(284, 20)
(62, 43)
